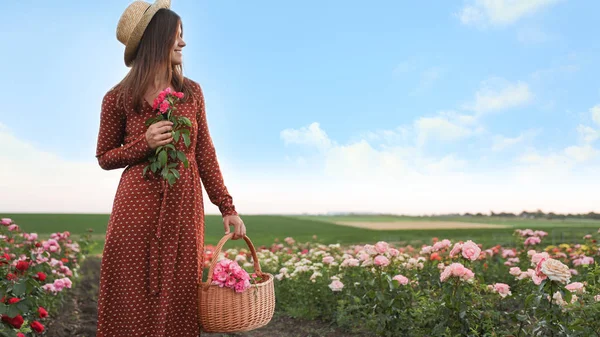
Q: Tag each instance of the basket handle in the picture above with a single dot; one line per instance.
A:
(217, 251)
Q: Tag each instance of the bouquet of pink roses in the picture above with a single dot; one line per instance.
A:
(164, 105)
(228, 273)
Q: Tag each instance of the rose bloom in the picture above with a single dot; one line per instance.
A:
(426, 250)
(402, 279)
(532, 240)
(393, 252)
(350, 263)
(508, 253)
(456, 249)
(515, 271)
(584, 260)
(471, 251)
(441, 245)
(336, 285)
(381, 260)
(457, 270)
(576, 287)
(501, 288)
(556, 270)
(328, 259)
(382, 247)
(537, 257)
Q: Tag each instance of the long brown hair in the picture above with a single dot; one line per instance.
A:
(153, 56)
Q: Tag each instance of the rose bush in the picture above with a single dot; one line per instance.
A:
(33, 276)
(443, 289)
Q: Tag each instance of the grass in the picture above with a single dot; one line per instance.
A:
(264, 229)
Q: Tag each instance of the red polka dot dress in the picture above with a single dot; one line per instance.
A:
(153, 255)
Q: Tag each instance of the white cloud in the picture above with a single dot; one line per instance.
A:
(581, 153)
(40, 181)
(439, 128)
(484, 13)
(588, 134)
(427, 79)
(311, 135)
(595, 111)
(498, 94)
(500, 142)
(403, 179)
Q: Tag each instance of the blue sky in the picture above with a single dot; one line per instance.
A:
(485, 104)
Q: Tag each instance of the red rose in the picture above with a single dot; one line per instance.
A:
(41, 276)
(11, 277)
(37, 326)
(13, 300)
(3, 299)
(64, 260)
(43, 312)
(37, 244)
(3, 257)
(20, 334)
(16, 321)
(22, 265)
(435, 256)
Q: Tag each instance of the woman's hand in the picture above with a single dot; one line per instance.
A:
(159, 134)
(239, 229)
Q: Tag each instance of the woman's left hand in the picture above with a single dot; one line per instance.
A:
(239, 229)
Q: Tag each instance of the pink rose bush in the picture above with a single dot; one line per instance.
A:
(460, 287)
(34, 274)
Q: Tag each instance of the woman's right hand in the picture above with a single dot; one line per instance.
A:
(159, 134)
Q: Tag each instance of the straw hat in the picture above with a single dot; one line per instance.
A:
(133, 23)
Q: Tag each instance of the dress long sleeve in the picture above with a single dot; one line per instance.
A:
(208, 165)
(112, 150)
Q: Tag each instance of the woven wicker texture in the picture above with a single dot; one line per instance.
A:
(224, 310)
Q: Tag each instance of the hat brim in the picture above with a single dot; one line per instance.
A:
(136, 35)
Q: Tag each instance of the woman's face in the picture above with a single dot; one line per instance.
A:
(176, 56)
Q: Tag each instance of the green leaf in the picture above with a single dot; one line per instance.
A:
(3, 308)
(164, 172)
(186, 121)
(171, 179)
(19, 289)
(23, 306)
(162, 158)
(172, 165)
(175, 173)
(567, 295)
(171, 146)
(12, 310)
(9, 333)
(155, 166)
(186, 139)
(145, 170)
(176, 135)
(173, 156)
(181, 156)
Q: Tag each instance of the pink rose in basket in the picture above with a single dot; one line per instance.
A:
(228, 273)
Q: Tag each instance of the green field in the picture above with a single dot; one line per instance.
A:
(264, 229)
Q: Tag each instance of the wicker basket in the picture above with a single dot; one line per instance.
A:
(224, 310)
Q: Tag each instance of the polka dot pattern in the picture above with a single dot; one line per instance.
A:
(153, 255)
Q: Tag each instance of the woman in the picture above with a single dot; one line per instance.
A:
(153, 255)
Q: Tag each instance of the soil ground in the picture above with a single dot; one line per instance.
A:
(399, 225)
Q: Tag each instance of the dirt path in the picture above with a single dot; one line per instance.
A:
(398, 225)
(78, 316)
